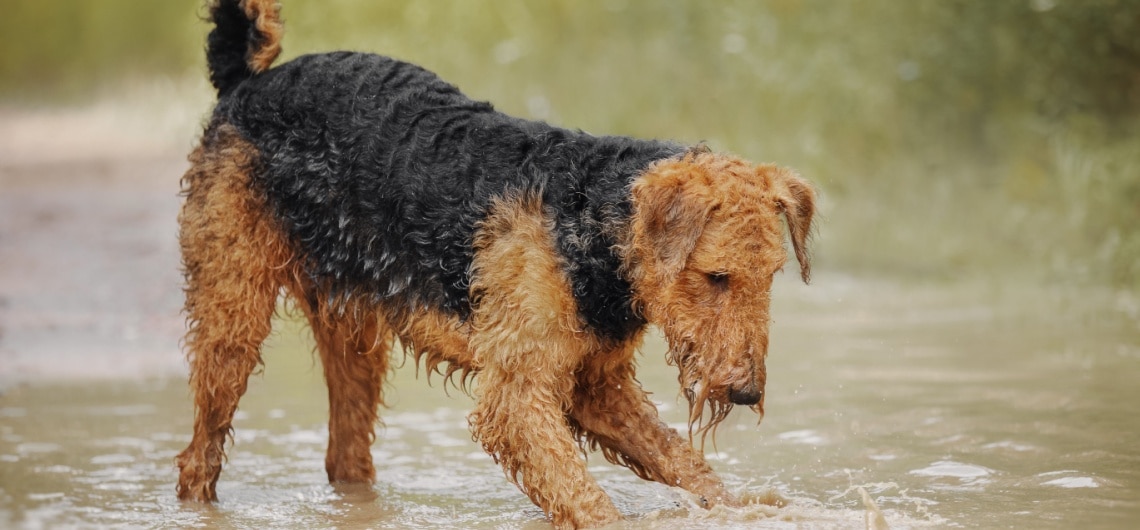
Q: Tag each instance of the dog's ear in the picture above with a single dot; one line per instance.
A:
(797, 200)
(668, 220)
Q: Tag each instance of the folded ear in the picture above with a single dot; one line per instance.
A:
(797, 199)
(667, 221)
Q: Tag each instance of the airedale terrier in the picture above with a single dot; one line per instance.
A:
(523, 258)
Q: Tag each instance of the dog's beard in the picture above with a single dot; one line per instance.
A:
(705, 412)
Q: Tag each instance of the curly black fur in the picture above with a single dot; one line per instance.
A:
(381, 172)
(228, 44)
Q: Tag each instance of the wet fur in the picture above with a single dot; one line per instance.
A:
(523, 258)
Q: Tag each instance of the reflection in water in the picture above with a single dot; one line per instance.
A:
(896, 405)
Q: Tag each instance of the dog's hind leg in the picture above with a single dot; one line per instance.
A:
(234, 258)
(354, 343)
(614, 413)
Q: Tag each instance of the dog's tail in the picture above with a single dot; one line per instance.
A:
(244, 42)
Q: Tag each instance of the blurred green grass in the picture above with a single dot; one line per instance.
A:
(955, 138)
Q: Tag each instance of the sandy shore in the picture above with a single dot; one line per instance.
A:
(89, 277)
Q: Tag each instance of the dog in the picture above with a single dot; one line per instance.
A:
(521, 261)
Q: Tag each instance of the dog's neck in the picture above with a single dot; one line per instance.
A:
(592, 217)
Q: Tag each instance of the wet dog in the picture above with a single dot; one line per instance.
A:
(524, 259)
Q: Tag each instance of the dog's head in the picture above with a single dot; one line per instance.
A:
(706, 239)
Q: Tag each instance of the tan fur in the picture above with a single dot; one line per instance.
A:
(266, 17)
(354, 345)
(704, 241)
(440, 343)
(235, 259)
(527, 335)
(709, 215)
(613, 413)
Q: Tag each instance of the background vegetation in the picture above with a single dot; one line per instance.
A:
(982, 138)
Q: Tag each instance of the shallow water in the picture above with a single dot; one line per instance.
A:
(949, 406)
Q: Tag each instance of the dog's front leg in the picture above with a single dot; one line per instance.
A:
(520, 418)
(526, 335)
(613, 411)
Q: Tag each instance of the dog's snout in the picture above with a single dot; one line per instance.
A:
(748, 395)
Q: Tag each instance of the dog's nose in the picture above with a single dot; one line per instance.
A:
(748, 395)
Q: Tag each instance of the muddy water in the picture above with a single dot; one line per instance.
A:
(917, 405)
(949, 407)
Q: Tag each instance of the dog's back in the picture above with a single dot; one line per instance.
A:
(381, 172)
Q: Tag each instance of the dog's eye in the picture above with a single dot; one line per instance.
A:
(718, 279)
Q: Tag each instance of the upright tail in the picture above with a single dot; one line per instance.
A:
(244, 42)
